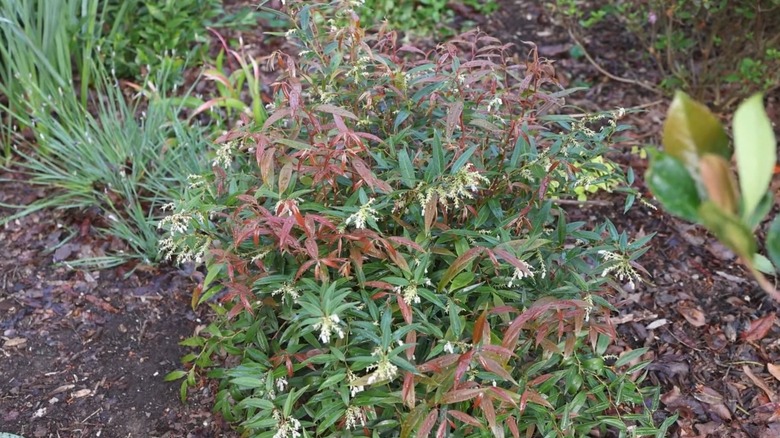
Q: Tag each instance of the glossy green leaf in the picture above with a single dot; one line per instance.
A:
(763, 264)
(729, 230)
(671, 183)
(772, 242)
(755, 144)
(691, 130)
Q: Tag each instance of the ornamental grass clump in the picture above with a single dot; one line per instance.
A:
(387, 253)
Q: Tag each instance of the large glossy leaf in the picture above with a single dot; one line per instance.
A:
(719, 182)
(671, 183)
(691, 130)
(773, 242)
(754, 144)
(729, 230)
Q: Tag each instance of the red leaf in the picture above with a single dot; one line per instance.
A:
(439, 363)
(428, 424)
(453, 117)
(407, 242)
(512, 260)
(503, 394)
(406, 311)
(411, 339)
(362, 169)
(459, 264)
(276, 116)
(479, 326)
(460, 395)
(332, 109)
(495, 368)
(498, 350)
(463, 364)
(490, 414)
(407, 391)
(430, 212)
(380, 285)
(510, 421)
(759, 328)
(464, 417)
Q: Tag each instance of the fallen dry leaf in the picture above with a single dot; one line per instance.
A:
(81, 393)
(692, 314)
(774, 370)
(759, 328)
(14, 342)
(759, 382)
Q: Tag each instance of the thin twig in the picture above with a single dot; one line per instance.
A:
(586, 202)
(601, 70)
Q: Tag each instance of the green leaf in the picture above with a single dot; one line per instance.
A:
(625, 358)
(729, 230)
(755, 151)
(671, 183)
(458, 265)
(763, 264)
(691, 130)
(407, 170)
(174, 375)
(248, 382)
(772, 242)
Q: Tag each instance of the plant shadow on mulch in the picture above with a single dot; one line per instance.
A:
(83, 353)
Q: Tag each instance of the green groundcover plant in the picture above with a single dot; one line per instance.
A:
(388, 256)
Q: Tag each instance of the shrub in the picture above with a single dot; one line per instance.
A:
(389, 254)
(687, 39)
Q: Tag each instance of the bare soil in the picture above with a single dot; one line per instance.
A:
(83, 353)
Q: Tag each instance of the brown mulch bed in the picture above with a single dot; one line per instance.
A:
(83, 353)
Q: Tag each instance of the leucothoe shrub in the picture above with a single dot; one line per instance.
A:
(388, 255)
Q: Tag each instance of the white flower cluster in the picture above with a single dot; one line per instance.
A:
(495, 102)
(520, 274)
(621, 267)
(383, 370)
(287, 290)
(454, 188)
(409, 293)
(328, 326)
(225, 154)
(353, 389)
(180, 243)
(364, 213)
(354, 417)
(281, 384)
(286, 427)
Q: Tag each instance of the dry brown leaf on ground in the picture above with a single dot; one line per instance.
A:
(774, 370)
(14, 342)
(693, 314)
(759, 328)
(760, 383)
